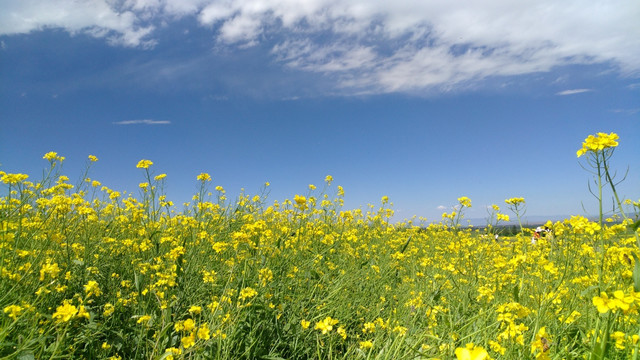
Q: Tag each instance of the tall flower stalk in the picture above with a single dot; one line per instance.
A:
(598, 150)
(517, 206)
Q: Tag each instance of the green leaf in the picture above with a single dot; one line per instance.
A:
(515, 292)
(636, 273)
(26, 356)
(406, 245)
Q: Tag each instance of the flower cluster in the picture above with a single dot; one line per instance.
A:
(598, 142)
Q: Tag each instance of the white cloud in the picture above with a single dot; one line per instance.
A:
(573, 91)
(143, 122)
(626, 111)
(441, 207)
(374, 45)
(99, 18)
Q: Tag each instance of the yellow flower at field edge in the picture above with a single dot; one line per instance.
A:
(144, 164)
(471, 352)
(170, 352)
(598, 142)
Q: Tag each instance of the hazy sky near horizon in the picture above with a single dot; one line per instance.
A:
(422, 101)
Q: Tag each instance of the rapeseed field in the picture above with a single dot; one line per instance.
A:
(88, 272)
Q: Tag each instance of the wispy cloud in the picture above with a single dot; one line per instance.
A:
(441, 207)
(626, 111)
(573, 91)
(143, 122)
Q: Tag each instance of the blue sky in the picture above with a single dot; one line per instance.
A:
(421, 101)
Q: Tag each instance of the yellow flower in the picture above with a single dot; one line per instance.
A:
(173, 351)
(93, 158)
(328, 179)
(365, 345)
(619, 338)
(144, 164)
(203, 177)
(51, 155)
(541, 344)
(82, 312)
(471, 352)
(265, 275)
(369, 327)
(515, 201)
(203, 332)
(401, 330)
(160, 177)
(603, 303)
(13, 178)
(108, 309)
(326, 325)
(304, 323)
(464, 201)
(247, 293)
(598, 142)
(188, 341)
(92, 289)
(65, 312)
(195, 310)
(13, 311)
(300, 200)
(143, 319)
(572, 317)
(495, 346)
(189, 325)
(342, 332)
